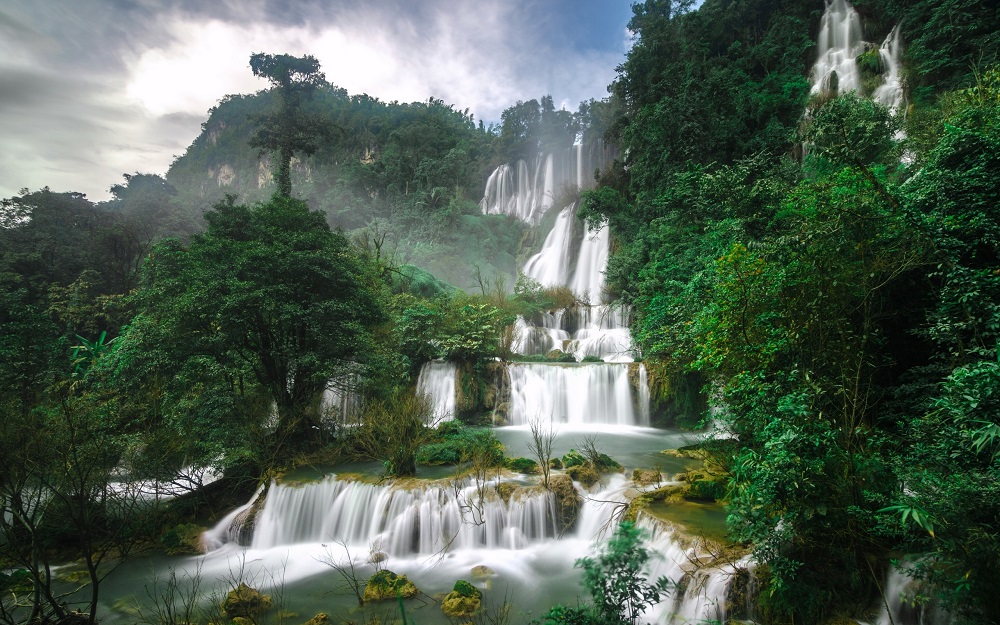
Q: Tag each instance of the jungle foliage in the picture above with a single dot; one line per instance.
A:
(839, 298)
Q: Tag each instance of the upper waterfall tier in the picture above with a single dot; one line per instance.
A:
(527, 190)
(566, 260)
(599, 331)
(840, 42)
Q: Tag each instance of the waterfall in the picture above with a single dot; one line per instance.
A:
(557, 265)
(527, 190)
(890, 92)
(437, 382)
(598, 331)
(840, 42)
(397, 521)
(901, 606)
(588, 277)
(699, 589)
(588, 394)
(551, 266)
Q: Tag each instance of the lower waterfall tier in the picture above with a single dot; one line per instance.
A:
(441, 531)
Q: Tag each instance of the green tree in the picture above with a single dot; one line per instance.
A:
(267, 295)
(291, 128)
(616, 580)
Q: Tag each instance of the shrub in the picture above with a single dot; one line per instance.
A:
(522, 465)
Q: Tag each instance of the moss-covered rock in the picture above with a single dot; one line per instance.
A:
(585, 474)
(482, 571)
(320, 619)
(558, 355)
(568, 501)
(505, 490)
(386, 585)
(463, 601)
(246, 602)
(646, 477)
(183, 539)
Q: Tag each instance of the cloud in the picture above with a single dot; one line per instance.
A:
(94, 88)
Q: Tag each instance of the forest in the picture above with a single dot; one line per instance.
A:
(815, 275)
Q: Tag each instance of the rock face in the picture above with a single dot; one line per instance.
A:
(242, 527)
(568, 501)
(246, 602)
(463, 601)
(386, 585)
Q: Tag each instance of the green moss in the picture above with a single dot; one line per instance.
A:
(462, 602)
(246, 602)
(573, 459)
(465, 589)
(183, 539)
(557, 355)
(607, 464)
(386, 585)
(522, 465)
(585, 474)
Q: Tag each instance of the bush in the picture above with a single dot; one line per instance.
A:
(522, 465)
(573, 459)
(454, 443)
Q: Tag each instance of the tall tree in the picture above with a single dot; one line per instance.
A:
(290, 128)
(268, 294)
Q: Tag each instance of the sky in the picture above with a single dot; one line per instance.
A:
(93, 89)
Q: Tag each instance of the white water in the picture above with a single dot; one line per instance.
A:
(890, 92)
(437, 382)
(402, 522)
(600, 331)
(527, 190)
(840, 42)
(588, 394)
(688, 566)
(552, 265)
(445, 530)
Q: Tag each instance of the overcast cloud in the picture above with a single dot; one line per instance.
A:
(92, 89)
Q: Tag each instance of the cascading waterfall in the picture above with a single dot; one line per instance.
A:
(840, 42)
(890, 92)
(556, 264)
(399, 522)
(697, 593)
(434, 520)
(437, 382)
(551, 266)
(585, 394)
(598, 331)
(527, 190)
